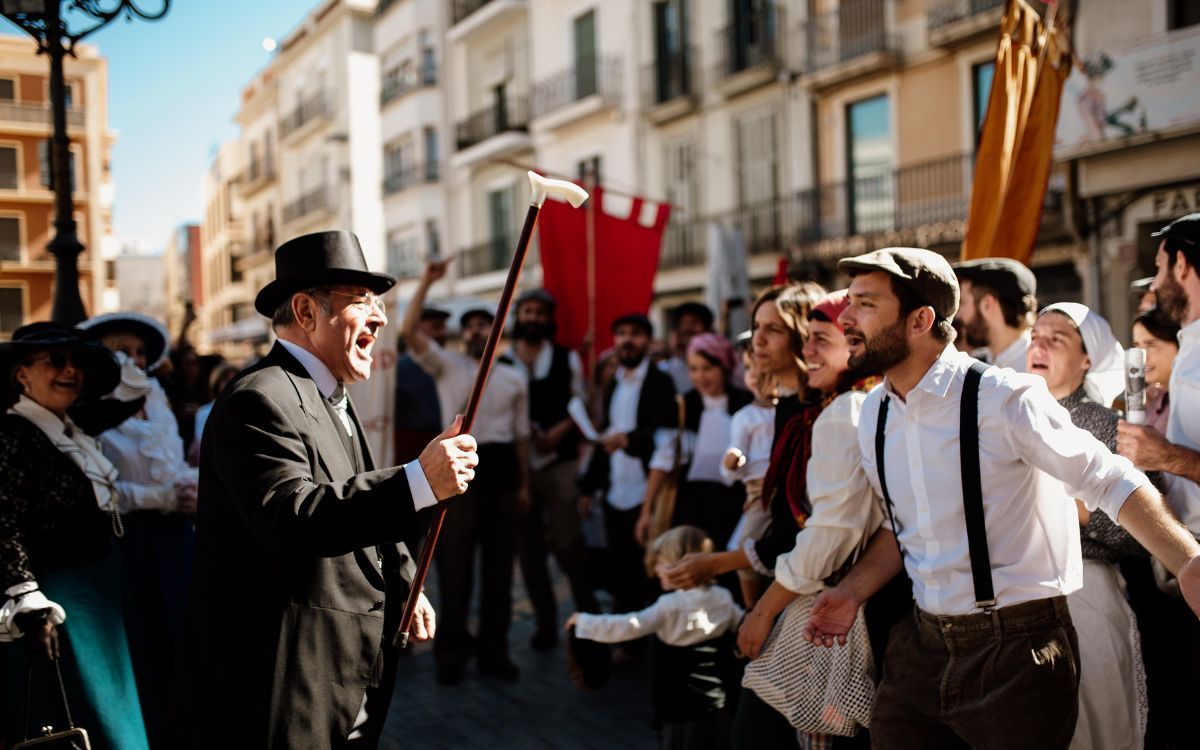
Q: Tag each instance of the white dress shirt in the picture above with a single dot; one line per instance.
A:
(418, 485)
(845, 510)
(627, 477)
(679, 618)
(503, 412)
(1013, 356)
(1033, 461)
(540, 371)
(704, 449)
(1183, 423)
(752, 431)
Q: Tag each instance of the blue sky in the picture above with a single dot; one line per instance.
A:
(174, 86)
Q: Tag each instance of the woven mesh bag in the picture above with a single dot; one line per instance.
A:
(817, 689)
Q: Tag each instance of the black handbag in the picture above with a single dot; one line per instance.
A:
(71, 738)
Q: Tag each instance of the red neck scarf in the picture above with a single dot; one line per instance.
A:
(793, 448)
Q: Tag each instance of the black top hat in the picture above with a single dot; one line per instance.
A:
(318, 259)
(151, 332)
(101, 372)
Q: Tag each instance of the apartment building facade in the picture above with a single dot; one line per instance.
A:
(227, 322)
(26, 196)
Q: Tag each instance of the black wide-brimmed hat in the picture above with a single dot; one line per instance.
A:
(101, 372)
(152, 333)
(318, 259)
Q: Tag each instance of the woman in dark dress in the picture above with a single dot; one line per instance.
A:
(58, 559)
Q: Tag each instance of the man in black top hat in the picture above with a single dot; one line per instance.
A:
(300, 576)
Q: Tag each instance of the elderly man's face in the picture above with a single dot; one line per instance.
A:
(343, 339)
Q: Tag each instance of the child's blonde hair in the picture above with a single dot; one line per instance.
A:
(670, 546)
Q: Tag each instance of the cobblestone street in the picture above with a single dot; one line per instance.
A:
(542, 710)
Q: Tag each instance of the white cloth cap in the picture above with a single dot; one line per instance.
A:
(1105, 379)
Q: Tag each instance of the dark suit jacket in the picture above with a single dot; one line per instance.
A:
(655, 410)
(291, 613)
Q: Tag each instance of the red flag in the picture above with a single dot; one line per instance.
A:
(626, 259)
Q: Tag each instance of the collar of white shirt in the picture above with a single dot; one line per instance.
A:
(636, 375)
(320, 374)
(1190, 334)
(939, 376)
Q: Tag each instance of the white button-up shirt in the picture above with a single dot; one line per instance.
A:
(678, 618)
(1033, 462)
(503, 412)
(1014, 355)
(627, 477)
(540, 371)
(1183, 423)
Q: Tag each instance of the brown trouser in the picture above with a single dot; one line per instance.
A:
(1009, 679)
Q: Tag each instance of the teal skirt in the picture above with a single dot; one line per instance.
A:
(95, 664)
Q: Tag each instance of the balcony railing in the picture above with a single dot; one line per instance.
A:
(312, 201)
(304, 113)
(492, 255)
(591, 77)
(855, 29)
(670, 77)
(753, 40)
(395, 86)
(460, 9)
(511, 115)
(945, 12)
(38, 114)
(407, 175)
(683, 243)
(922, 195)
(259, 173)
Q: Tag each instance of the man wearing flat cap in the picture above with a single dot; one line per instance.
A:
(300, 573)
(999, 302)
(981, 515)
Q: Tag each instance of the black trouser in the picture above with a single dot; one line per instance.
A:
(1005, 680)
(552, 525)
(629, 580)
(484, 517)
(756, 725)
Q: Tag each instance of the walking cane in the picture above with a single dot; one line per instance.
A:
(541, 187)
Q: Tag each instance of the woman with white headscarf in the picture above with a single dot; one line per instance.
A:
(1075, 351)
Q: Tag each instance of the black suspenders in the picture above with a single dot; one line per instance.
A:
(972, 484)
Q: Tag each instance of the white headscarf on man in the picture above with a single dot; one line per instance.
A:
(1105, 379)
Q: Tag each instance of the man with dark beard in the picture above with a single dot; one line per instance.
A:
(639, 412)
(1177, 455)
(485, 517)
(999, 299)
(987, 659)
(555, 376)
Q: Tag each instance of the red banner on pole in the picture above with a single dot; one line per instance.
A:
(626, 259)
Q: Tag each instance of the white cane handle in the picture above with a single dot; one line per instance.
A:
(544, 186)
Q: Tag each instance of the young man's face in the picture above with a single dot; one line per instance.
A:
(974, 327)
(875, 330)
(435, 328)
(689, 325)
(631, 342)
(475, 330)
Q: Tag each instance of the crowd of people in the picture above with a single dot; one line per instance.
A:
(907, 513)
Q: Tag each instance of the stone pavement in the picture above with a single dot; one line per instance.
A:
(542, 710)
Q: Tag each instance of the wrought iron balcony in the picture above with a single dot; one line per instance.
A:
(856, 29)
(597, 76)
(494, 254)
(396, 83)
(752, 41)
(945, 12)
(511, 115)
(670, 77)
(683, 243)
(311, 202)
(310, 109)
(38, 114)
(408, 175)
(257, 175)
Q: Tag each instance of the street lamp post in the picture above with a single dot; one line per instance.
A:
(49, 23)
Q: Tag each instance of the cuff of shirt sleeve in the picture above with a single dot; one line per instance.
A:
(748, 546)
(26, 599)
(418, 486)
(585, 626)
(1113, 500)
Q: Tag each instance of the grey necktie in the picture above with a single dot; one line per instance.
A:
(341, 404)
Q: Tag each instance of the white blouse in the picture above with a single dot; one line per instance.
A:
(679, 618)
(148, 454)
(705, 448)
